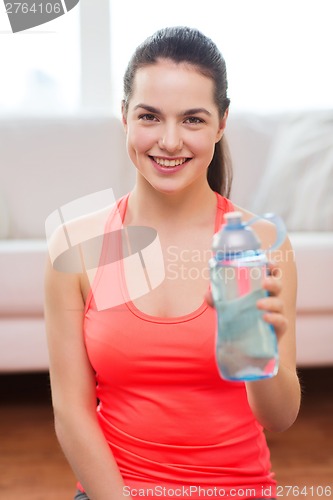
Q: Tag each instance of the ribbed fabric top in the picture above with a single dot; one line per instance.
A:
(170, 420)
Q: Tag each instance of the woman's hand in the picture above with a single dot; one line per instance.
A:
(273, 306)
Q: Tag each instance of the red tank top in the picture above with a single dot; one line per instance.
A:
(171, 422)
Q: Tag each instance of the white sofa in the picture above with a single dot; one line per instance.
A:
(296, 150)
(46, 163)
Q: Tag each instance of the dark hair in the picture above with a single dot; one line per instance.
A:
(183, 44)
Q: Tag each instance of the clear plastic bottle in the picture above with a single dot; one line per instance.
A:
(246, 345)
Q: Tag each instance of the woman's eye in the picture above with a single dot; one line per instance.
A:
(147, 117)
(194, 119)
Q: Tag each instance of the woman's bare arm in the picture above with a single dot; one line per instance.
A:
(73, 389)
(275, 402)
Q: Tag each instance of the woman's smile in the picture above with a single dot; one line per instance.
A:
(169, 165)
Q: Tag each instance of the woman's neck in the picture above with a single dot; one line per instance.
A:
(147, 206)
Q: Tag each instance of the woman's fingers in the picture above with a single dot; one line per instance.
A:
(272, 306)
(278, 321)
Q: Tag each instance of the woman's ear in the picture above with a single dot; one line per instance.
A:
(124, 115)
(222, 125)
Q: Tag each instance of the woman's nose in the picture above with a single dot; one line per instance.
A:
(171, 140)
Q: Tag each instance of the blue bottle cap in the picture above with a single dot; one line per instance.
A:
(235, 236)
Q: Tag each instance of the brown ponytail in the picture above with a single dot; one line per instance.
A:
(219, 173)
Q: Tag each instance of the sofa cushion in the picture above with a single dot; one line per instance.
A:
(22, 265)
(53, 161)
(298, 181)
(23, 345)
(250, 138)
(314, 339)
(314, 261)
(4, 222)
(21, 292)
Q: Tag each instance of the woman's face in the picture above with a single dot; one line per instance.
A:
(172, 125)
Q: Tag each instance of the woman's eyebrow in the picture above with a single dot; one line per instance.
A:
(148, 108)
(152, 109)
(195, 111)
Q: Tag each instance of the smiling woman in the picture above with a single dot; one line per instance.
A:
(165, 417)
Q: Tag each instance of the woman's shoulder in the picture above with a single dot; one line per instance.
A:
(75, 246)
(224, 204)
(72, 239)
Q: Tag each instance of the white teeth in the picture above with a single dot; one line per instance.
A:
(169, 163)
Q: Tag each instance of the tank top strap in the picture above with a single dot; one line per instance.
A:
(117, 215)
(111, 248)
(224, 205)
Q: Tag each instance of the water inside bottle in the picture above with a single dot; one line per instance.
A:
(250, 353)
(246, 347)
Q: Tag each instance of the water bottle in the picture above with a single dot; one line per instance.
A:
(246, 345)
